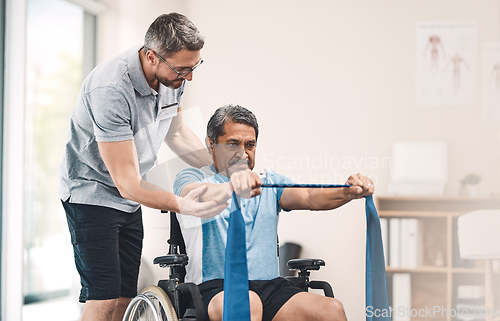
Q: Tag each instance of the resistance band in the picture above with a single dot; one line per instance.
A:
(236, 300)
(306, 185)
(377, 302)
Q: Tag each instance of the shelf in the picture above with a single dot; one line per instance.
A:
(468, 270)
(436, 204)
(436, 281)
(418, 214)
(434, 269)
(422, 269)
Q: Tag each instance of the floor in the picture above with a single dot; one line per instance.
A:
(62, 309)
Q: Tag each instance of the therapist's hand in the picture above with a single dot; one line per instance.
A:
(361, 186)
(191, 205)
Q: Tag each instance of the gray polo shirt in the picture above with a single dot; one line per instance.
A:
(115, 104)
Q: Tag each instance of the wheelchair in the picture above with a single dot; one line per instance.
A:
(175, 300)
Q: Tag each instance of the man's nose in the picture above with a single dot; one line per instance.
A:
(242, 152)
(189, 76)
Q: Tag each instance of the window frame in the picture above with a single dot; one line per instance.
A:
(88, 63)
(12, 152)
(12, 111)
(2, 62)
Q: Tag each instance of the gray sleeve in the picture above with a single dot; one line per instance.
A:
(110, 114)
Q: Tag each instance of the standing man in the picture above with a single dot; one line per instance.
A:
(127, 106)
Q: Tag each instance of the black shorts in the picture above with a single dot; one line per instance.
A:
(107, 245)
(273, 294)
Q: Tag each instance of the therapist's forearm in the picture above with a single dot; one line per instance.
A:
(120, 159)
(148, 194)
(189, 148)
(220, 193)
(198, 158)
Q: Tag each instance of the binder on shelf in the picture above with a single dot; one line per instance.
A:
(394, 243)
(411, 243)
(384, 227)
(401, 296)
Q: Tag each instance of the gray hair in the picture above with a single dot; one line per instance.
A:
(234, 113)
(170, 33)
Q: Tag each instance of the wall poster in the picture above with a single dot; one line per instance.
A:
(446, 63)
(490, 84)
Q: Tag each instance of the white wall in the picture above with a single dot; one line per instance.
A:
(326, 79)
(124, 23)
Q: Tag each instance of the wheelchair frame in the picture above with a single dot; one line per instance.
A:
(174, 300)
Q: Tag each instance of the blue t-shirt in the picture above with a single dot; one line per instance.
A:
(206, 238)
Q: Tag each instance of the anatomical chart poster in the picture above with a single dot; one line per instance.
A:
(490, 84)
(446, 63)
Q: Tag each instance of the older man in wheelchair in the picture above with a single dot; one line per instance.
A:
(232, 134)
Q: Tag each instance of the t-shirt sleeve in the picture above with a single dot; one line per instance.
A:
(274, 178)
(110, 114)
(187, 176)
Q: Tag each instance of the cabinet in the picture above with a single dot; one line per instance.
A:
(439, 280)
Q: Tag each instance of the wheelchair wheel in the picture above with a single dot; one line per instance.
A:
(152, 304)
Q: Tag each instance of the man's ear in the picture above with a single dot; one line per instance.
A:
(210, 145)
(150, 57)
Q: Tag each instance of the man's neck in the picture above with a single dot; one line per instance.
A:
(148, 72)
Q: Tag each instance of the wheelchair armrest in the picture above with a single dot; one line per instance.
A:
(322, 285)
(171, 260)
(303, 283)
(305, 264)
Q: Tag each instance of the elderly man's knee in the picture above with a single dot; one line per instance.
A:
(337, 308)
(216, 306)
(255, 306)
(337, 305)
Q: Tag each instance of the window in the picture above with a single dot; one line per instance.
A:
(2, 34)
(58, 36)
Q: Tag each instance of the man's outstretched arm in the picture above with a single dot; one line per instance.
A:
(326, 198)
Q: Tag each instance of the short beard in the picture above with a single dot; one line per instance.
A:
(170, 84)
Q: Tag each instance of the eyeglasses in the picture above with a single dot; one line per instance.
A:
(179, 74)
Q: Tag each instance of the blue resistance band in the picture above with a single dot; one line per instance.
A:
(236, 300)
(306, 185)
(376, 283)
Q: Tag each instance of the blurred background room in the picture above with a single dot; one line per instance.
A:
(406, 92)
